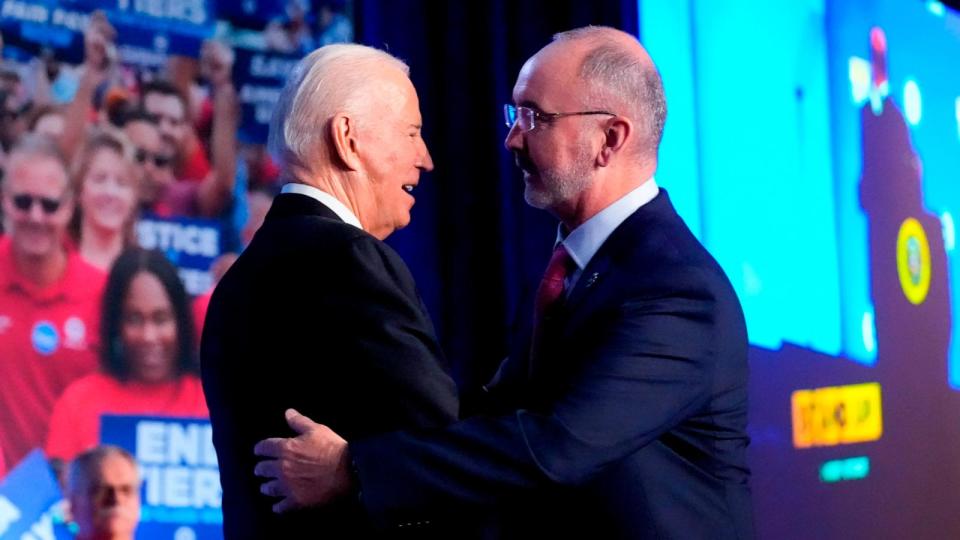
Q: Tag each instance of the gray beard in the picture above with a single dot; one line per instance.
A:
(558, 187)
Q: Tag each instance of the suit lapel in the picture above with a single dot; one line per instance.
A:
(600, 278)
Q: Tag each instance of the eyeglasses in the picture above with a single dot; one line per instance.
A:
(160, 160)
(24, 202)
(527, 118)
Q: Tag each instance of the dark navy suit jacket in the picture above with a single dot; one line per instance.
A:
(631, 422)
(320, 316)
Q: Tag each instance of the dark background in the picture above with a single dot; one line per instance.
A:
(474, 246)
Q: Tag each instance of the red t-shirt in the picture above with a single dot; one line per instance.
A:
(47, 340)
(75, 423)
(200, 305)
(195, 167)
(178, 200)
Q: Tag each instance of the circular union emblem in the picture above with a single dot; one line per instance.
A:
(913, 261)
(45, 338)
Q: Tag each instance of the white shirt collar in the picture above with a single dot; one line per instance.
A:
(326, 199)
(583, 242)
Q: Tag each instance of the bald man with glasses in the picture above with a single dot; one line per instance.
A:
(49, 297)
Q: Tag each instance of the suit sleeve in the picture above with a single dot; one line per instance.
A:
(398, 344)
(643, 374)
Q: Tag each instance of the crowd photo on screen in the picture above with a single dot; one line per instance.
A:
(133, 171)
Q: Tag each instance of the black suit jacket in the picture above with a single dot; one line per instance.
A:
(630, 424)
(320, 316)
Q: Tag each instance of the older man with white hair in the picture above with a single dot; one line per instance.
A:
(318, 313)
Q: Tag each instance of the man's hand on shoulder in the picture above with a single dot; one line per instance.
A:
(311, 469)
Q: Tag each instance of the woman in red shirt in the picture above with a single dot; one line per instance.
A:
(148, 356)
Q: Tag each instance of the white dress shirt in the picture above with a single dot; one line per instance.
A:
(325, 199)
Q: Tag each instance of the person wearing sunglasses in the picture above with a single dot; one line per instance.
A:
(48, 296)
(105, 181)
(154, 166)
(625, 414)
(202, 188)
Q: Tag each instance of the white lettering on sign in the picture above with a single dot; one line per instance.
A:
(191, 11)
(182, 487)
(24, 11)
(266, 67)
(9, 514)
(70, 19)
(174, 443)
(189, 239)
(251, 93)
(41, 530)
(195, 281)
(178, 464)
(150, 441)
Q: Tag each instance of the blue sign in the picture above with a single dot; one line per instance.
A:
(147, 31)
(31, 505)
(36, 24)
(181, 495)
(191, 244)
(254, 14)
(259, 77)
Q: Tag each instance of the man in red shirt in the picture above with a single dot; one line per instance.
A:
(49, 297)
(207, 187)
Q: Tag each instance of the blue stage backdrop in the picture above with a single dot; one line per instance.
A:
(814, 147)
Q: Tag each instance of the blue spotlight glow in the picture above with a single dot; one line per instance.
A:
(858, 70)
(912, 106)
(869, 332)
(949, 233)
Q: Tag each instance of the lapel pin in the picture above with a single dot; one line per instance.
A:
(592, 279)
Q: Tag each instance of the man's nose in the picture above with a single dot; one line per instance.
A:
(36, 211)
(514, 140)
(426, 162)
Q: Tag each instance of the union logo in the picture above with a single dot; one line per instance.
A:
(913, 261)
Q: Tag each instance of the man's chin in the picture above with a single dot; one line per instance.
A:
(36, 248)
(535, 197)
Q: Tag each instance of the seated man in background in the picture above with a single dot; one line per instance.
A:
(103, 488)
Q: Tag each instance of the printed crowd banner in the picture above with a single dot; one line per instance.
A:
(35, 24)
(147, 30)
(259, 77)
(31, 505)
(181, 495)
(190, 244)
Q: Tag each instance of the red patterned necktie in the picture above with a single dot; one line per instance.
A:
(549, 294)
(551, 286)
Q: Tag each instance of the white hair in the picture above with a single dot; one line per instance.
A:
(331, 79)
(85, 467)
(618, 77)
(35, 146)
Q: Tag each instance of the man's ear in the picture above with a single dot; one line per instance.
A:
(343, 136)
(617, 134)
